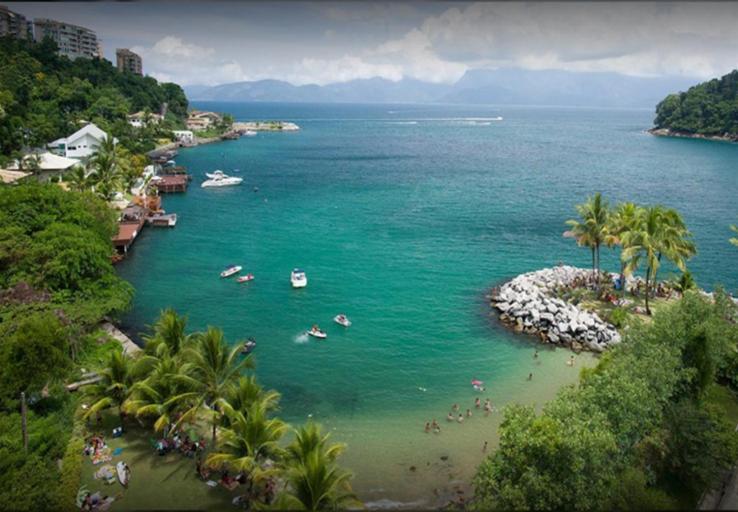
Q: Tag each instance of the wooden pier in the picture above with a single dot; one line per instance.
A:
(171, 183)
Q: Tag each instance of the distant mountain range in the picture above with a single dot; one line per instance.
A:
(509, 86)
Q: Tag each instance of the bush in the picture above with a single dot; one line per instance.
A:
(618, 317)
(71, 473)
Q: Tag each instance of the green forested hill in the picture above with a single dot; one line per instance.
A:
(709, 108)
(44, 96)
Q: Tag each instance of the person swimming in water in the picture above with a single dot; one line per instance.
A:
(477, 403)
(450, 416)
(427, 427)
(484, 448)
(436, 426)
(570, 362)
(530, 376)
(468, 413)
(535, 356)
(460, 419)
(455, 407)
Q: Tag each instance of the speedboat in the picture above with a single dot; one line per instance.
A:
(220, 179)
(246, 278)
(230, 270)
(248, 346)
(298, 278)
(342, 320)
(317, 333)
(249, 133)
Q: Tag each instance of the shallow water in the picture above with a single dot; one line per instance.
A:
(403, 217)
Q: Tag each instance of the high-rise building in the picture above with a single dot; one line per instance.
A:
(73, 41)
(14, 24)
(126, 60)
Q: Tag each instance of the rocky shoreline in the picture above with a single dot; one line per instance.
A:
(528, 304)
(666, 132)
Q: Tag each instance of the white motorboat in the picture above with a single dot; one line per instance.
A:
(298, 278)
(230, 270)
(248, 346)
(220, 179)
(249, 133)
(315, 332)
(342, 320)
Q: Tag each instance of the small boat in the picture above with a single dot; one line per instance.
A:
(476, 382)
(167, 220)
(248, 346)
(230, 270)
(215, 174)
(249, 133)
(124, 473)
(317, 333)
(298, 278)
(246, 278)
(342, 320)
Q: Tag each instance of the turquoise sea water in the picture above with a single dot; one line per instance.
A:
(403, 217)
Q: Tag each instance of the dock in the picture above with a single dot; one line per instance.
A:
(171, 183)
(129, 227)
(129, 347)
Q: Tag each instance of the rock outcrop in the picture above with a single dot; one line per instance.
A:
(529, 304)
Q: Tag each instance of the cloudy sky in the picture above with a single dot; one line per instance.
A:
(303, 42)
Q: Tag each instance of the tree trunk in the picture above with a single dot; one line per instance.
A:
(24, 421)
(593, 261)
(215, 419)
(648, 276)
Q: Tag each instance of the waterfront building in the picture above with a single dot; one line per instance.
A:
(202, 120)
(141, 119)
(81, 144)
(126, 60)
(73, 41)
(49, 165)
(14, 24)
(184, 136)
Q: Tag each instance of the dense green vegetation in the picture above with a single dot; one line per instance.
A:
(710, 108)
(646, 236)
(185, 381)
(44, 96)
(56, 284)
(638, 432)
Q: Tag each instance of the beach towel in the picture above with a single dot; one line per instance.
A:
(212, 483)
(117, 451)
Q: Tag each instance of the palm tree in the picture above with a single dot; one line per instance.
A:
(151, 396)
(114, 387)
(78, 179)
(314, 481)
(106, 170)
(169, 334)
(734, 241)
(251, 440)
(658, 233)
(211, 371)
(30, 163)
(591, 230)
(246, 393)
(622, 220)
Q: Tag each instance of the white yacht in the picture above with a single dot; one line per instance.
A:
(220, 179)
(230, 270)
(298, 278)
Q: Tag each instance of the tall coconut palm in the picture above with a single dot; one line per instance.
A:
(591, 228)
(622, 220)
(211, 371)
(106, 170)
(169, 334)
(314, 480)
(150, 398)
(78, 179)
(658, 233)
(250, 442)
(115, 386)
(309, 438)
(246, 393)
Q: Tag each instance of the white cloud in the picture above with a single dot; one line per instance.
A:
(173, 59)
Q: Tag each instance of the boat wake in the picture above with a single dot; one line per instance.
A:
(402, 122)
(302, 338)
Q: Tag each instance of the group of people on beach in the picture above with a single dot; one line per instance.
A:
(436, 428)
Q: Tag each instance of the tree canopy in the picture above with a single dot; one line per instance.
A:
(709, 108)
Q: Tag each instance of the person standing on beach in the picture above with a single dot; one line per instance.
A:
(427, 427)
